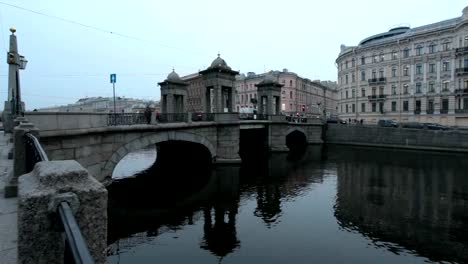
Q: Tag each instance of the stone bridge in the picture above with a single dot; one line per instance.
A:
(86, 137)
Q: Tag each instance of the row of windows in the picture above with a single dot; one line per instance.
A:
(432, 68)
(418, 89)
(417, 106)
(406, 53)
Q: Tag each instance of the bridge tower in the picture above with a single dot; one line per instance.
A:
(269, 92)
(173, 94)
(219, 81)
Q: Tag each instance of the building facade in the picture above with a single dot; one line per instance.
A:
(298, 95)
(105, 105)
(407, 75)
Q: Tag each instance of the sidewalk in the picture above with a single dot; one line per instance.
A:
(8, 207)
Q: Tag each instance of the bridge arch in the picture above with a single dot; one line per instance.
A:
(152, 139)
(296, 138)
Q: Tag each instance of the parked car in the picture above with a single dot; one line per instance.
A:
(387, 123)
(413, 125)
(434, 126)
(335, 120)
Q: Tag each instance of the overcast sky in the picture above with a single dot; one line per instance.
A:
(68, 61)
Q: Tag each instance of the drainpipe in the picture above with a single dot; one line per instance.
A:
(399, 81)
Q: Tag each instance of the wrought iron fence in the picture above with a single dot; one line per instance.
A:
(34, 152)
(76, 249)
(127, 119)
(172, 117)
(199, 117)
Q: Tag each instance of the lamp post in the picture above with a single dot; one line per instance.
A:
(14, 107)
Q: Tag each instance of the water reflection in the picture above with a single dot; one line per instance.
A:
(409, 203)
(416, 200)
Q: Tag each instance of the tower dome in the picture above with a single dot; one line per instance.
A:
(173, 77)
(219, 63)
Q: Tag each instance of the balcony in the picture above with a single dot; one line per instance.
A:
(461, 111)
(377, 97)
(430, 111)
(461, 71)
(444, 111)
(417, 111)
(461, 91)
(460, 51)
(381, 80)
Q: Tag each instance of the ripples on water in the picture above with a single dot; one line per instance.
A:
(331, 205)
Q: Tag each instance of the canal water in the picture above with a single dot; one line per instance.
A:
(327, 205)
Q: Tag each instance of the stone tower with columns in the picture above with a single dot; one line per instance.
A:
(173, 94)
(269, 95)
(219, 81)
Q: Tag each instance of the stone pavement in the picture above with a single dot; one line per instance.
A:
(8, 207)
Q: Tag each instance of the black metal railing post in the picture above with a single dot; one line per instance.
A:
(34, 152)
(76, 249)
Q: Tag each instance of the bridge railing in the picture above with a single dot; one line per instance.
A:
(172, 117)
(127, 119)
(199, 117)
(76, 249)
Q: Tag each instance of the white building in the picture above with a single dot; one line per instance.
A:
(407, 74)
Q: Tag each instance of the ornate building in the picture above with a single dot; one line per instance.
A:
(407, 74)
(298, 95)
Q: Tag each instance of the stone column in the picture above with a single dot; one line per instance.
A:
(19, 154)
(40, 191)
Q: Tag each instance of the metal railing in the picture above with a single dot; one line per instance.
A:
(76, 249)
(377, 80)
(172, 117)
(251, 116)
(200, 117)
(444, 111)
(34, 152)
(461, 50)
(461, 91)
(461, 70)
(377, 97)
(127, 119)
(461, 111)
(430, 111)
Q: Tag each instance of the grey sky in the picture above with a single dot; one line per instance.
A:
(68, 61)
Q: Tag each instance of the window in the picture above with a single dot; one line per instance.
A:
(353, 78)
(374, 108)
(406, 53)
(405, 89)
(363, 107)
(346, 108)
(465, 84)
(347, 78)
(381, 107)
(363, 92)
(375, 58)
(432, 68)
(431, 87)
(290, 83)
(446, 46)
(381, 73)
(374, 74)
(419, 68)
(445, 104)
(445, 86)
(354, 108)
(406, 70)
(346, 94)
(353, 93)
(353, 63)
(432, 48)
(381, 89)
(394, 55)
(446, 66)
(394, 72)
(465, 103)
(283, 81)
(290, 94)
(419, 50)
(418, 87)
(346, 64)
(382, 56)
(393, 106)
(417, 107)
(393, 89)
(374, 91)
(363, 76)
(405, 106)
(363, 60)
(290, 107)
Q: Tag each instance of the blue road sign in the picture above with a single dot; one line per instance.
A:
(113, 78)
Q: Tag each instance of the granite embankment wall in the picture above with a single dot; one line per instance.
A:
(407, 138)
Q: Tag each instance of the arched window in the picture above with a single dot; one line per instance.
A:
(290, 83)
